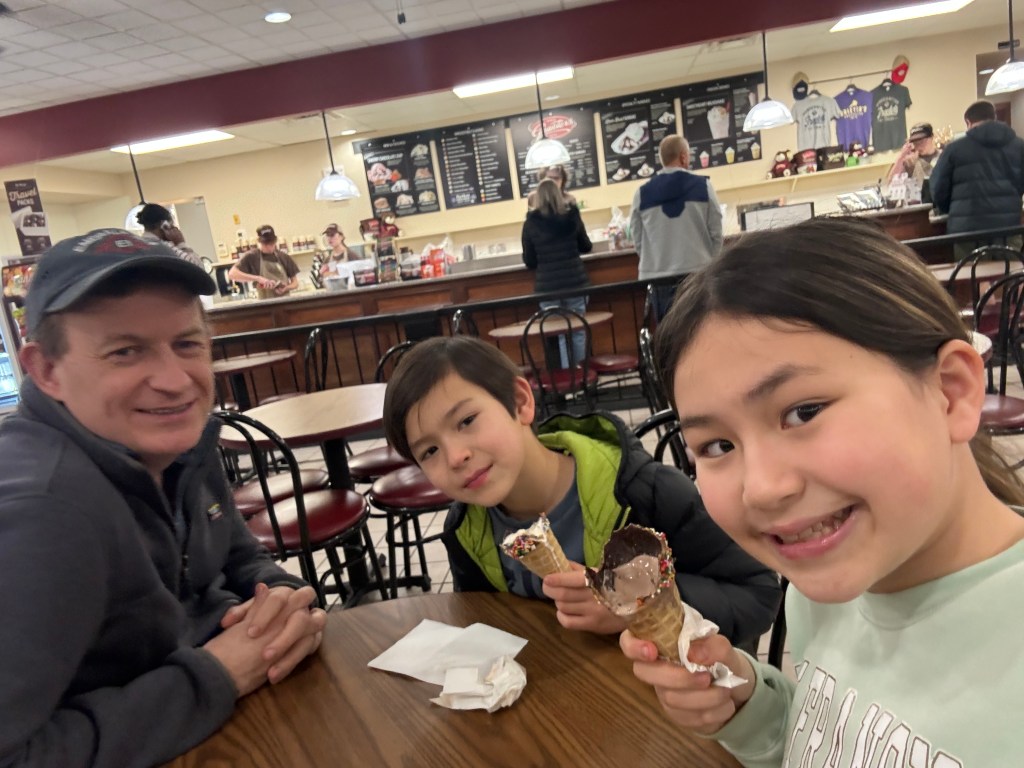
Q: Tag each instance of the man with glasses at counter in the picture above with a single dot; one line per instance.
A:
(137, 608)
(273, 271)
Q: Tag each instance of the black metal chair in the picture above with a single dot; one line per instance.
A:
(1003, 303)
(367, 466)
(666, 424)
(650, 379)
(553, 383)
(401, 498)
(981, 277)
(307, 522)
(314, 360)
(463, 324)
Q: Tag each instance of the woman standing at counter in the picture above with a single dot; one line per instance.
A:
(560, 176)
(338, 253)
(273, 270)
(553, 239)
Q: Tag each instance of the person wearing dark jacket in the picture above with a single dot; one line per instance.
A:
(137, 608)
(979, 178)
(458, 408)
(553, 239)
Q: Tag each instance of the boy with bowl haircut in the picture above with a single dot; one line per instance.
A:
(459, 408)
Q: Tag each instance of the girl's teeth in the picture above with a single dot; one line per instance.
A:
(819, 529)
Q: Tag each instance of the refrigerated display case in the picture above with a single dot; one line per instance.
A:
(15, 275)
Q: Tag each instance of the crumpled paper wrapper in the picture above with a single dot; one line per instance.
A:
(500, 687)
(637, 582)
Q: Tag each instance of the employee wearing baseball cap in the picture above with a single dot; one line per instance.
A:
(137, 607)
(918, 155)
(273, 270)
(339, 252)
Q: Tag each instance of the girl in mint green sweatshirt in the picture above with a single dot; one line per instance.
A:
(833, 399)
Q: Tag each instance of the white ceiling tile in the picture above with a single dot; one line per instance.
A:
(46, 16)
(238, 17)
(125, 20)
(39, 39)
(186, 43)
(10, 26)
(203, 53)
(115, 42)
(107, 58)
(35, 58)
(25, 75)
(459, 20)
(62, 67)
(169, 10)
(228, 63)
(224, 35)
(158, 33)
(7, 66)
(216, 6)
(376, 35)
(196, 24)
(22, 5)
(72, 51)
(82, 30)
(94, 8)
(168, 60)
(309, 19)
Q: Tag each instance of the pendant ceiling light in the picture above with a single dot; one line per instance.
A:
(767, 113)
(1010, 76)
(544, 151)
(131, 221)
(335, 185)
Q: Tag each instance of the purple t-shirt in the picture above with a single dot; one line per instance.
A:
(854, 123)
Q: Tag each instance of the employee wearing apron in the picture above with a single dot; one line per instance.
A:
(271, 269)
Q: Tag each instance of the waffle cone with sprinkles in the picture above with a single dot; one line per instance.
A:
(537, 548)
(637, 581)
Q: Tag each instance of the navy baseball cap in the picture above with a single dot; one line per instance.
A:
(73, 268)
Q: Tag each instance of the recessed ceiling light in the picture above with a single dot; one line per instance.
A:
(899, 14)
(277, 17)
(173, 142)
(988, 71)
(512, 82)
(349, 131)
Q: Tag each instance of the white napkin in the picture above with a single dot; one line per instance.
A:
(479, 659)
(500, 687)
(696, 627)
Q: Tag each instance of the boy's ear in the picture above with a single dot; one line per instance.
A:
(961, 375)
(526, 407)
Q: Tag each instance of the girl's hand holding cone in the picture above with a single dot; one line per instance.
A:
(688, 698)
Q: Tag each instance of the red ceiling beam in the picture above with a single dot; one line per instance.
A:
(394, 70)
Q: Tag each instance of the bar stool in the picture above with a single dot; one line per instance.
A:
(401, 497)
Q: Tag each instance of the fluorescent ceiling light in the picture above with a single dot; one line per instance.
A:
(512, 82)
(988, 71)
(899, 14)
(173, 142)
(349, 131)
(277, 17)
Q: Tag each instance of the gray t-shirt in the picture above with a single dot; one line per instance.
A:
(814, 116)
(566, 523)
(889, 116)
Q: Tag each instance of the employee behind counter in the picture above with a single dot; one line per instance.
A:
(273, 270)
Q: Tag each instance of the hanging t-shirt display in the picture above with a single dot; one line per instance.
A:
(814, 116)
(853, 126)
(889, 115)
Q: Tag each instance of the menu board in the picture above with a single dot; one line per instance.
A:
(400, 174)
(574, 127)
(632, 129)
(474, 164)
(713, 115)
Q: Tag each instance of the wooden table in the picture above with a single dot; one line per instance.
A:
(236, 367)
(322, 418)
(582, 706)
(552, 326)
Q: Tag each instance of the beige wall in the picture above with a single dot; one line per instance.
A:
(276, 186)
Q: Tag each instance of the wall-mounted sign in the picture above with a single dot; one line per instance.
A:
(632, 129)
(574, 127)
(400, 174)
(713, 115)
(474, 164)
(28, 216)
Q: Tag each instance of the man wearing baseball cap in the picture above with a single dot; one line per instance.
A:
(273, 270)
(918, 155)
(136, 606)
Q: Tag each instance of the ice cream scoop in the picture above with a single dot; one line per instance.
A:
(637, 581)
(537, 548)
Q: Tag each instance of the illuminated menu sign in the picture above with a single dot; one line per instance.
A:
(474, 164)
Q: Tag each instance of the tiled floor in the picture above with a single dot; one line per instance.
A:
(437, 563)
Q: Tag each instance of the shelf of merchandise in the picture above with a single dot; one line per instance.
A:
(849, 178)
(229, 262)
